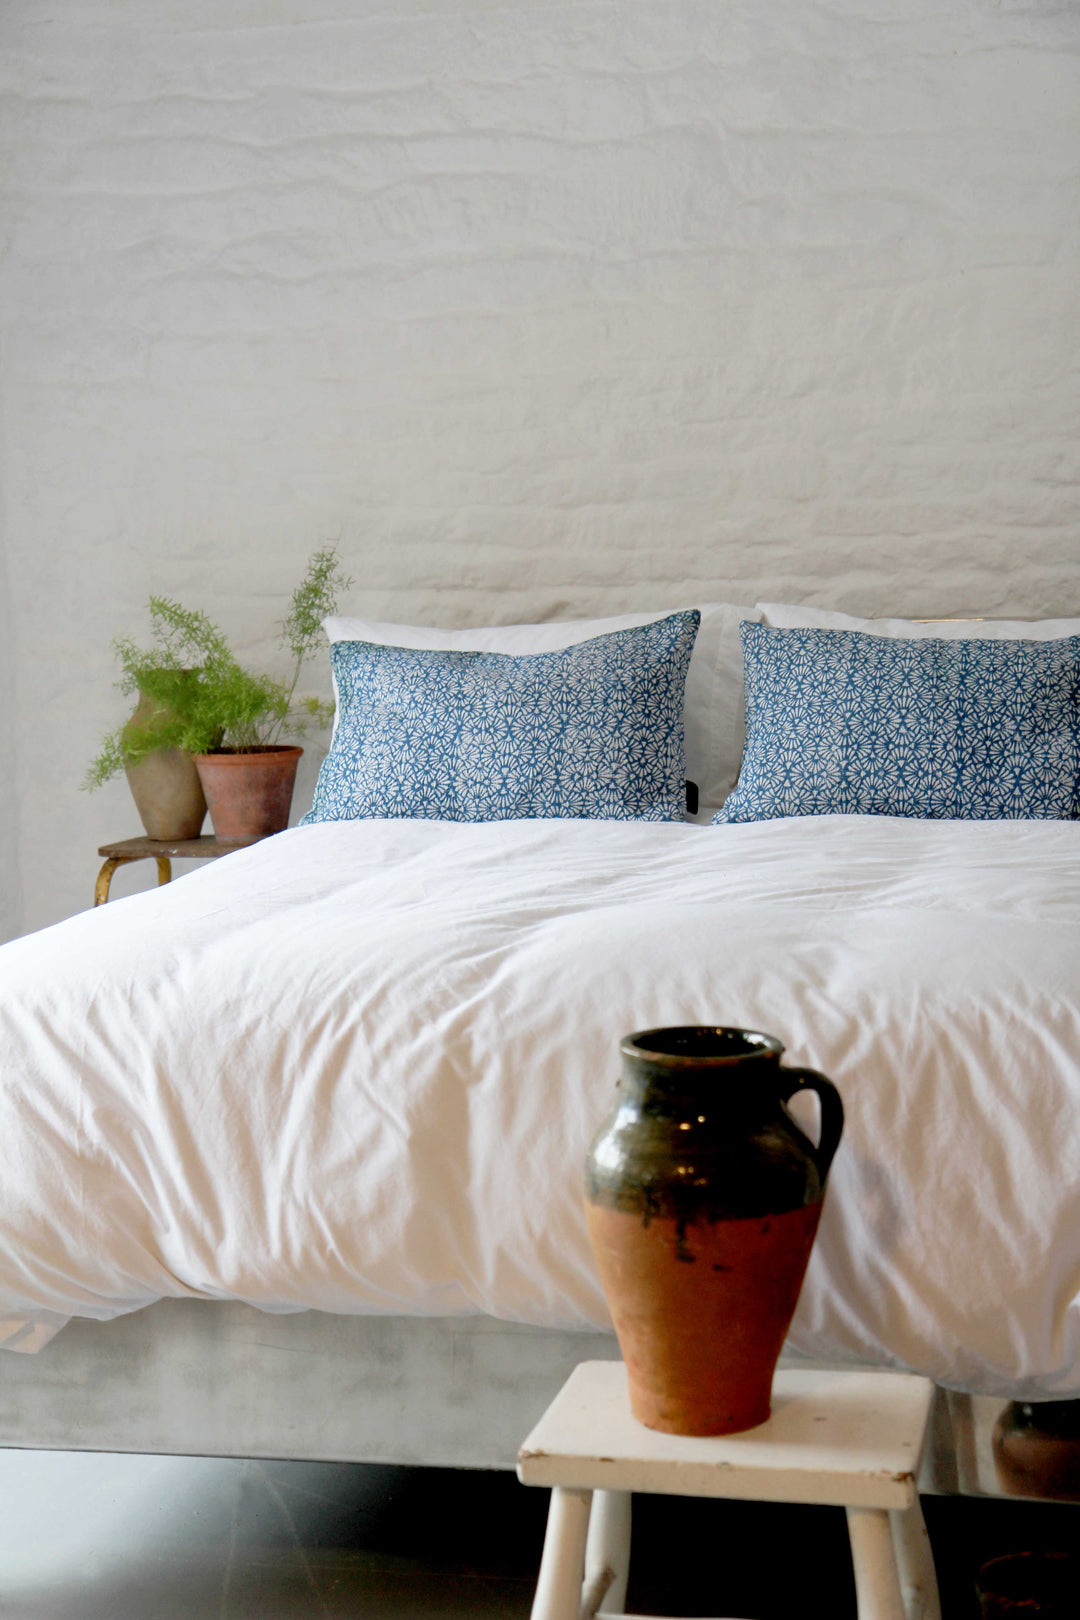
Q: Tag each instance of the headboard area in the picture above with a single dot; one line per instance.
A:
(539, 312)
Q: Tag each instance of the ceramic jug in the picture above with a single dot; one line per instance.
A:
(702, 1198)
(1036, 1447)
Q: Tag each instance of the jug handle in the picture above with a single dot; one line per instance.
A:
(832, 1112)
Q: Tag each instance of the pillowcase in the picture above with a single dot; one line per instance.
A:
(787, 617)
(713, 715)
(593, 730)
(840, 723)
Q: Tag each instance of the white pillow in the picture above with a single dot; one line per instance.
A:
(785, 617)
(714, 686)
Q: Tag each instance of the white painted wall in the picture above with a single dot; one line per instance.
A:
(10, 908)
(542, 308)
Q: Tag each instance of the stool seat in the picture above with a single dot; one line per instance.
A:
(851, 1439)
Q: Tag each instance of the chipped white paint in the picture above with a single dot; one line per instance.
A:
(847, 1438)
(543, 310)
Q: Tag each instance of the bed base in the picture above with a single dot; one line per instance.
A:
(200, 1378)
(218, 1379)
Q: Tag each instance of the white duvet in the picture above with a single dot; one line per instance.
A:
(357, 1067)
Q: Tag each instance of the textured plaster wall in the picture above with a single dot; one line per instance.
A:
(541, 308)
(10, 909)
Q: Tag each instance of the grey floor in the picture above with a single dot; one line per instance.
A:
(92, 1537)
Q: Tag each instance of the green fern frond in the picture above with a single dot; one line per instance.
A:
(202, 697)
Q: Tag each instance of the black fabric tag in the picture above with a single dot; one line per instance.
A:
(691, 798)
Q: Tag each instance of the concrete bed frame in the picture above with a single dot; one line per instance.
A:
(221, 1379)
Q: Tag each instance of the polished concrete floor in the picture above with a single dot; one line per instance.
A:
(91, 1537)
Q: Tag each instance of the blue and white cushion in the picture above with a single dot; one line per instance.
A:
(839, 722)
(593, 730)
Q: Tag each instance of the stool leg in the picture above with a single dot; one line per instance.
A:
(607, 1554)
(877, 1585)
(558, 1590)
(105, 876)
(915, 1562)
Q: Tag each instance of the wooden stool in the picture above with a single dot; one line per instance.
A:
(852, 1439)
(164, 851)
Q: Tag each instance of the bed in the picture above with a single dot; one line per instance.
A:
(292, 1148)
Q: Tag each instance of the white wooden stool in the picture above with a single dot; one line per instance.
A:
(852, 1439)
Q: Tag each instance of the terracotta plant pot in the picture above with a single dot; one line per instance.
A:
(165, 785)
(1028, 1586)
(702, 1199)
(249, 793)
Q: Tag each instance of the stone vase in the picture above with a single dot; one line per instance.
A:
(702, 1200)
(165, 784)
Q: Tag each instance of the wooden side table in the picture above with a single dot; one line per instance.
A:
(164, 851)
(852, 1439)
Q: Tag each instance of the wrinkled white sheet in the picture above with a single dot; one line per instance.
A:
(357, 1068)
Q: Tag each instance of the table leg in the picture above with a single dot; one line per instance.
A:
(164, 869)
(607, 1554)
(915, 1563)
(558, 1591)
(105, 876)
(877, 1584)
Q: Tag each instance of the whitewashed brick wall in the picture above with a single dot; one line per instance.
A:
(541, 308)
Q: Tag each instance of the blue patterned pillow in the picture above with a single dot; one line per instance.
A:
(843, 723)
(594, 730)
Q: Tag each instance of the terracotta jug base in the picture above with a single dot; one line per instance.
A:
(702, 1419)
(701, 1311)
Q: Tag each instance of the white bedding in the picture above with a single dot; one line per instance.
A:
(357, 1067)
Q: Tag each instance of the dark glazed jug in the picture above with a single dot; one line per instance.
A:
(702, 1198)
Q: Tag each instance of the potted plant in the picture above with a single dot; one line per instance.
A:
(212, 717)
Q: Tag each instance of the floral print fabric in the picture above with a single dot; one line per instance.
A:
(594, 730)
(838, 722)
